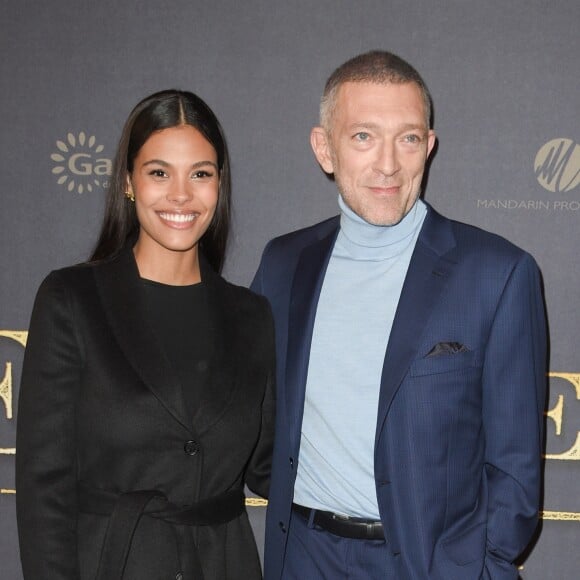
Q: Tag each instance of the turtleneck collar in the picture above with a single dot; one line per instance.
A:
(363, 240)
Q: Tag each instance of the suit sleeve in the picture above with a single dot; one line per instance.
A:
(514, 390)
(257, 285)
(46, 497)
(259, 467)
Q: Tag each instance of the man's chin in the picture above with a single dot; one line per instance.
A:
(381, 219)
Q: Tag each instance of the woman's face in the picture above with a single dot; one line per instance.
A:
(175, 182)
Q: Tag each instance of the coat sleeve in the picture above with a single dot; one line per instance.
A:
(46, 488)
(260, 464)
(514, 391)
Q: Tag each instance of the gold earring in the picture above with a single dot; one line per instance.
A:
(130, 195)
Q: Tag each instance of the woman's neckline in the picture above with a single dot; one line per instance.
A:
(157, 284)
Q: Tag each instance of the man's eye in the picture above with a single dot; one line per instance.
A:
(412, 138)
(362, 136)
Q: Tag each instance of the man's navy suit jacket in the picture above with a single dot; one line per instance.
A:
(458, 440)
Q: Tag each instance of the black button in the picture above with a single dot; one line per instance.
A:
(191, 447)
(292, 462)
(282, 527)
(179, 576)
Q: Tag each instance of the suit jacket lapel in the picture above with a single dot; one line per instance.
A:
(429, 270)
(118, 285)
(305, 292)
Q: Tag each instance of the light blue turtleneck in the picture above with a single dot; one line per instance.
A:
(354, 317)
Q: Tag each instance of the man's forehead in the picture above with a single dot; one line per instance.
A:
(387, 97)
(350, 89)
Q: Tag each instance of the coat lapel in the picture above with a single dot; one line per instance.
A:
(429, 269)
(228, 352)
(118, 285)
(306, 287)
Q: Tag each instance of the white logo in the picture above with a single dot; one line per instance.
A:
(557, 165)
(79, 166)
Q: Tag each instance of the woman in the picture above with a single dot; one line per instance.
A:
(146, 400)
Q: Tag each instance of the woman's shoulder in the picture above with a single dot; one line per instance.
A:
(70, 275)
(76, 282)
(240, 299)
(82, 272)
(244, 296)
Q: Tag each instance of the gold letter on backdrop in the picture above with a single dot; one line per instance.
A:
(6, 390)
(19, 336)
(556, 413)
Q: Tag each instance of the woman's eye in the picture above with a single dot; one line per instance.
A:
(158, 173)
(202, 174)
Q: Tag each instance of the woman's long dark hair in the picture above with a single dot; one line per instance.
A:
(164, 110)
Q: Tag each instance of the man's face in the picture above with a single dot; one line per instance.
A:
(376, 147)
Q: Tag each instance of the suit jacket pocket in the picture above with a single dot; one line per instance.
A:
(445, 363)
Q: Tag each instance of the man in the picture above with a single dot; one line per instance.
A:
(411, 362)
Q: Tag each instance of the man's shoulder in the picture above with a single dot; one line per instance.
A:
(477, 239)
(298, 239)
(472, 238)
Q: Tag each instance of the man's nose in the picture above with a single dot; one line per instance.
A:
(387, 161)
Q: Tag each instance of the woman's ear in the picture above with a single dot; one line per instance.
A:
(129, 193)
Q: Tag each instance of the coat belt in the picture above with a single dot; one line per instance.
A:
(125, 511)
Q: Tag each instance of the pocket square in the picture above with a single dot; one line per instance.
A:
(446, 348)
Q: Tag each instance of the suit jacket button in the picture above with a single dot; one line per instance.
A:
(191, 447)
(291, 463)
(179, 576)
(282, 527)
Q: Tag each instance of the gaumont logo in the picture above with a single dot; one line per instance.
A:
(80, 164)
(557, 165)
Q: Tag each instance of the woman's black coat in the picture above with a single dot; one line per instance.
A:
(101, 409)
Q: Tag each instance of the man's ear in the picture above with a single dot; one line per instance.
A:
(431, 140)
(319, 141)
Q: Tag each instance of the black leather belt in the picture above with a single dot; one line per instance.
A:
(344, 526)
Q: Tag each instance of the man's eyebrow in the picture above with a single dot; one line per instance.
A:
(376, 126)
(364, 126)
